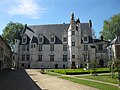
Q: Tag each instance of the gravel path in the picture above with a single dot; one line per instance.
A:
(47, 82)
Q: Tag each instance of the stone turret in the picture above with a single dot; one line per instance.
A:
(72, 20)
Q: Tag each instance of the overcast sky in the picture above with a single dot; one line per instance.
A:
(36, 12)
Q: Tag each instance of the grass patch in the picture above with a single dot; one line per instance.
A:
(104, 78)
(98, 85)
(52, 74)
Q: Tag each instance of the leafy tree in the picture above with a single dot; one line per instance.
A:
(111, 27)
(10, 31)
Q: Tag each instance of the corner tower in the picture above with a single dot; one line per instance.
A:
(73, 43)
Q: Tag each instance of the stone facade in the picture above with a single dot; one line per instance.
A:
(114, 49)
(5, 55)
(60, 46)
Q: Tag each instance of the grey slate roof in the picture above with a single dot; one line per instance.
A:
(85, 26)
(34, 40)
(57, 29)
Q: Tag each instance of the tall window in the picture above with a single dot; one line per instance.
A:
(39, 57)
(65, 47)
(85, 57)
(100, 47)
(73, 56)
(52, 39)
(51, 57)
(24, 40)
(27, 47)
(23, 57)
(51, 47)
(73, 32)
(31, 45)
(34, 45)
(85, 47)
(40, 39)
(85, 39)
(73, 43)
(28, 57)
(64, 39)
(64, 57)
(23, 47)
(40, 47)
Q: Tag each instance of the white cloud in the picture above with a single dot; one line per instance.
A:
(28, 8)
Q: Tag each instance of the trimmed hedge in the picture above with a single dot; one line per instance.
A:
(78, 71)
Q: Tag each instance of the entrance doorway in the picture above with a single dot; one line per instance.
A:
(64, 66)
(28, 66)
(22, 65)
(101, 63)
(73, 65)
(56, 66)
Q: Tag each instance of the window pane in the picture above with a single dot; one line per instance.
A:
(73, 56)
(65, 39)
(85, 38)
(100, 47)
(73, 32)
(39, 57)
(51, 57)
(23, 57)
(24, 40)
(28, 57)
(40, 47)
(85, 57)
(64, 57)
(27, 47)
(64, 47)
(23, 47)
(52, 39)
(40, 39)
(73, 43)
(85, 47)
(51, 47)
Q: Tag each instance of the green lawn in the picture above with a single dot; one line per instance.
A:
(104, 78)
(101, 86)
(98, 85)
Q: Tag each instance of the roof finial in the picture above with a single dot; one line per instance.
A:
(72, 16)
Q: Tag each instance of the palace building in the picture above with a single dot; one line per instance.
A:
(60, 46)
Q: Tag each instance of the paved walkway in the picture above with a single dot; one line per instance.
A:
(16, 80)
(47, 82)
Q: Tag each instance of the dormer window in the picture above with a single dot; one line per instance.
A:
(41, 38)
(52, 38)
(64, 39)
(85, 39)
(24, 39)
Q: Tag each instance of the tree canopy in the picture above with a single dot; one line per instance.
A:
(111, 27)
(10, 31)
